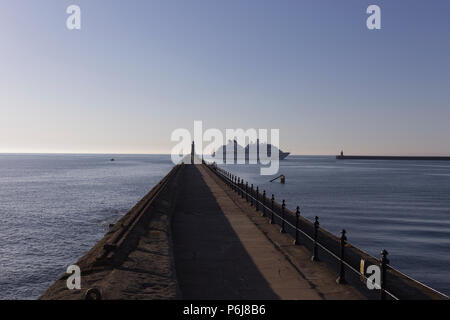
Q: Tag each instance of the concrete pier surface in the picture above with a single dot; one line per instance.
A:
(197, 239)
(225, 250)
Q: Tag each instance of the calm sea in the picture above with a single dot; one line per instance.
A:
(400, 206)
(53, 208)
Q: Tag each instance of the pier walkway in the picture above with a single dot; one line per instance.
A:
(192, 237)
(221, 253)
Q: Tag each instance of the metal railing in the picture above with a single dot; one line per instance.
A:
(335, 251)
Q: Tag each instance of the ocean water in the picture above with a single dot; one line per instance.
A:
(54, 208)
(400, 206)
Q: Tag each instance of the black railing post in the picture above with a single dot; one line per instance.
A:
(315, 257)
(257, 199)
(341, 278)
(246, 191)
(272, 205)
(263, 212)
(297, 217)
(251, 195)
(283, 208)
(384, 262)
(239, 184)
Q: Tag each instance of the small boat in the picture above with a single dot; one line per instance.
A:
(112, 159)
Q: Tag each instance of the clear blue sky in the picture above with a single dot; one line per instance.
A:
(140, 69)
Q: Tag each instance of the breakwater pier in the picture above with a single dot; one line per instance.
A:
(416, 158)
(203, 233)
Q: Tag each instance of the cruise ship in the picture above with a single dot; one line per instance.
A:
(240, 152)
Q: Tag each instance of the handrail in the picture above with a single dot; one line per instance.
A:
(238, 186)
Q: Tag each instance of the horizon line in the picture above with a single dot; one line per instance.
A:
(168, 154)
